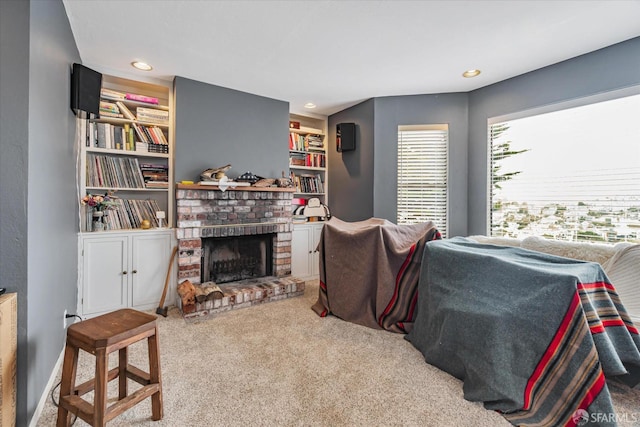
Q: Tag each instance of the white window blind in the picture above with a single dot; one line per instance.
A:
(571, 174)
(423, 175)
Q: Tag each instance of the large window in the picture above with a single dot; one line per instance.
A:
(423, 175)
(572, 174)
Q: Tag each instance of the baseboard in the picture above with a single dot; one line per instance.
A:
(47, 391)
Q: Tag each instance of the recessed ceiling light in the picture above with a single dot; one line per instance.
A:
(309, 105)
(470, 73)
(142, 66)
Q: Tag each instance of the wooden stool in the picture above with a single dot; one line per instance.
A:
(101, 336)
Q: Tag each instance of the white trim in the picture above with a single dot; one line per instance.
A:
(47, 391)
(564, 105)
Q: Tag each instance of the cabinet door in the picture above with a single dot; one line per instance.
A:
(104, 274)
(300, 251)
(316, 231)
(149, 262)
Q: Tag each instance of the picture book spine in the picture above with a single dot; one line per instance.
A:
(141, 98)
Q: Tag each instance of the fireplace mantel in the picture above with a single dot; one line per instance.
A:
(215, 187)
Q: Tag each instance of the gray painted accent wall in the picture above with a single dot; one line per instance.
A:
(53, 208)
(350, 173)
(216, 126)
(14, 144)
(608, 69)
(363, 183)
(38, 206)
(393, 111)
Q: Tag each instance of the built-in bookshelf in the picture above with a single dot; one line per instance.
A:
(126, 152)
(308, 157)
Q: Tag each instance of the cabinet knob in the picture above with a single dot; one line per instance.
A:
(124, 272)
(310, 252)
(134, 271)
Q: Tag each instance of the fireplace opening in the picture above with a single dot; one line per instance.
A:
(228, 259)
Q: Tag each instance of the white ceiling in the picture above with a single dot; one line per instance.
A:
(338, 53)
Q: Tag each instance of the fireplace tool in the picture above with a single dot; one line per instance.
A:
(162, 310)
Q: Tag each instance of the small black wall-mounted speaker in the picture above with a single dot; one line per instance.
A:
(85, 90)
(345, 137)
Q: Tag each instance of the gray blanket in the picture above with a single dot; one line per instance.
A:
(531, 335)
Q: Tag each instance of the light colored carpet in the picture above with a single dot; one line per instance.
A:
(279, 364)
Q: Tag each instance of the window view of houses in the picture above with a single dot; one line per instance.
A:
(572, 174)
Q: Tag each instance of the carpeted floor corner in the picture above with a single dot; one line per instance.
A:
(279, 364)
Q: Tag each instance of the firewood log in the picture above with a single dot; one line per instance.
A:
(200, 293)
(187, 293)
(213, 292)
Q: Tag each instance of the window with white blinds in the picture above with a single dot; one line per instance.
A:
(423, 175)
(571, 174)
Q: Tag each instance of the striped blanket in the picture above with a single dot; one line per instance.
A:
(531, 335)
(369, 271)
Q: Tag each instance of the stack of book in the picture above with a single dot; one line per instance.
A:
(109, 109)
(155, 175)
(112, 95)
(314, 142)
(152, 115)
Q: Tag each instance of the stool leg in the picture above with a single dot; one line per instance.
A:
(68, 382)
(155, 376)
(100, 393)
(122, 373)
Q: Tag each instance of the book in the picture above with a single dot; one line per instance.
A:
(110, 114)
(152, 115)
(141, 98)
(125, 111)
(113, 95)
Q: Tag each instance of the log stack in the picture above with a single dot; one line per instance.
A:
(190, 293)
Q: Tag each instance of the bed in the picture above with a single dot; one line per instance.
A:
(531, 335)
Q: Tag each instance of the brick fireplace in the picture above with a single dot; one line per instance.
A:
(205, 212)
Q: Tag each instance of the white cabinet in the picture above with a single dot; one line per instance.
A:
(305, 258)
(126, 269)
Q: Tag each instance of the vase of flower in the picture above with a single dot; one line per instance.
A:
(99, 205)
(98, 224)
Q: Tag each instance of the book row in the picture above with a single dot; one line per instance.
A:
(113, 172)
(307, 159)
(125, 137)
(119, 110)
(125, 214)
(306, 183)
(305, 142)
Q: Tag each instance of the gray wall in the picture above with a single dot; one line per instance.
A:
(14, 144)
(38, 207)
(350, 174)
(216, 126)
(372, 190)
(608, 69)
(393, 111)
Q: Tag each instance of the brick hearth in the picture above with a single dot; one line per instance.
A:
(247, 293)
(208, 212)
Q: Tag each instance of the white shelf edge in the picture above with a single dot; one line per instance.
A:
(308, 168)
(126, 152)
(307, 130)
(127, 189)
